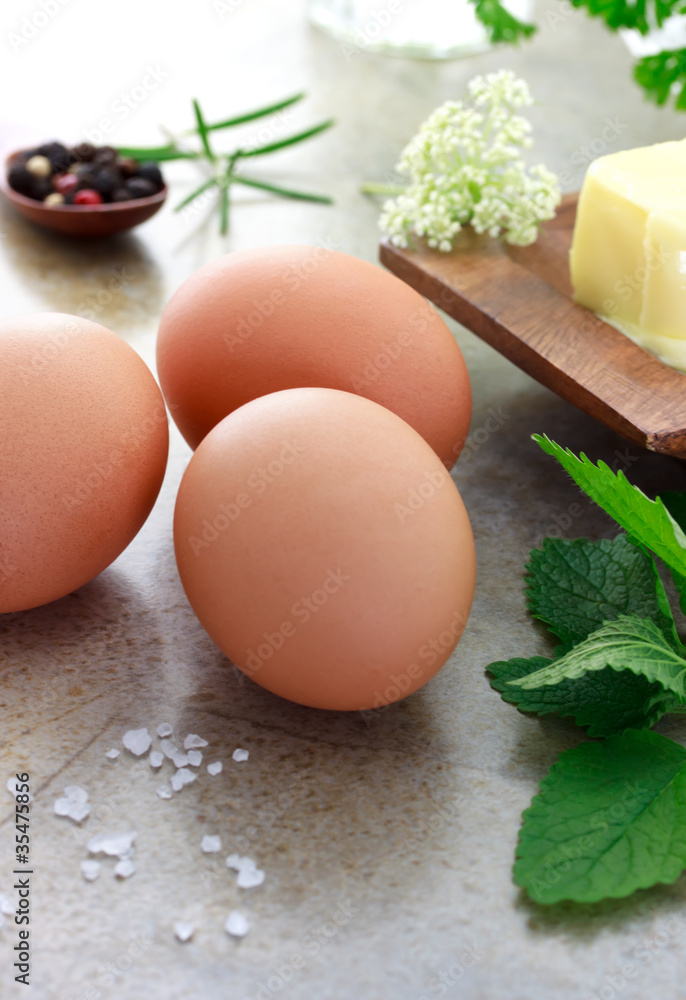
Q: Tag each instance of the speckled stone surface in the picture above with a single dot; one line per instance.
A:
(387, 843)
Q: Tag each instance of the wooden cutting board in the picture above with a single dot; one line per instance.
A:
(518, 299)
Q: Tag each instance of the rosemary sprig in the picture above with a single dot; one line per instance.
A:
(223, 165)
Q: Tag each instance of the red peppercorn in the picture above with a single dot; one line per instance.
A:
(87, 196)
(66, 183)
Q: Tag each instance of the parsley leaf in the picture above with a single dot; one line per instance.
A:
(605, 702)
(609, 819)
(500, 24)
(575, 586)
(661, 74)
(627, 643)
(648, 521)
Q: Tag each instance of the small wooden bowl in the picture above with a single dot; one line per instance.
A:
(82, 220)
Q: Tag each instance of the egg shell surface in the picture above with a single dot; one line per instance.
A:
(84, 441)
(325, 549)
(279, 317)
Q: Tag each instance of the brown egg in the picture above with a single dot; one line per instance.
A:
(84, 438)
(325, 549)
(280, 317)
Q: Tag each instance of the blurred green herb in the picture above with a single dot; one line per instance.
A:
(222, 167)
(661, 75)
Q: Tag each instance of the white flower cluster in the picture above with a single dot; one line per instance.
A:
(465, 168)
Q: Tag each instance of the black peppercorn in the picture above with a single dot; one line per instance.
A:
(84, 152)
(106, 180)
(121, 194)
(151, 172)
(105, 155)
(127, 165)
(60, 157)
(20, 179)
(139, 187)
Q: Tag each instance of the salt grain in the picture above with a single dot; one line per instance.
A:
(168, 748)
(240, 755)
(137, 741)
(236, 924)
(183, 931)
(115, 844)
(194, 742)
(164, 730)
(182, 777)
(124, 869)
(249, 875)
(215, 767)
(164, 792)
(74, 804)
(194, 758)
(156, 759)
(210, 845)
(6, 906)
(90, 870)
(112, 754)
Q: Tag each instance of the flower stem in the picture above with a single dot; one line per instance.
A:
(372, 187)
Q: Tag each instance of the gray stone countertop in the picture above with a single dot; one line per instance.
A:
(387, 845)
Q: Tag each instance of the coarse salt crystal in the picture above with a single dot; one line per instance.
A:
(210, 845)
(90, 870)
(124, 869)
(114, 844)
(137, 741)
(6, 906)
(236, 924)
(194, 758)
(156, 759)
(168, 748)
(249, 877)
(240, 755)
(74, 804)
(215, 767)
(179, 759)
(164, 730)
(76, 793)
(182, 777)
(194, 742)
(2, 921)
(112, 754)
(183, 930)
(164, 792)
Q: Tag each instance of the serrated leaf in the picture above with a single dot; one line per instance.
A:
(575, 586)
(627, 643)
(604, 702)
(648, 521)
(675, 502)
(609, 819)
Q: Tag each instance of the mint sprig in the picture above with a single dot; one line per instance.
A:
(619, 667)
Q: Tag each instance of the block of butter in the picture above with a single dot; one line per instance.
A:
(628, 255)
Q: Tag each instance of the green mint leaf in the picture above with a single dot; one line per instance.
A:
(609, 819)
(604, 702)
(627, 643)
(575, 586)
(648, 521)
(500, 24)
